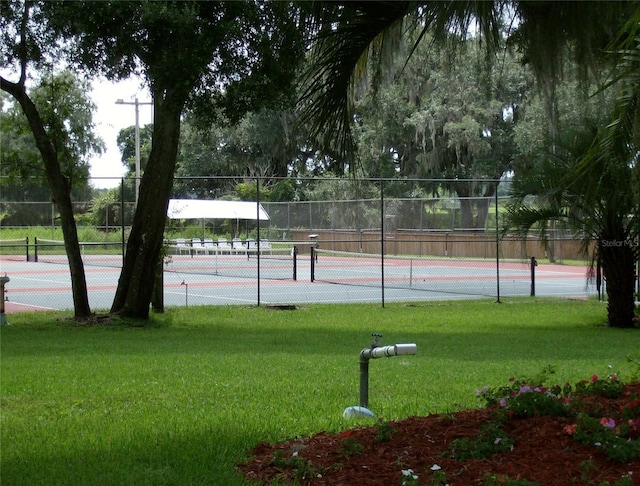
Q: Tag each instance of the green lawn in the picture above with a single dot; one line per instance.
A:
(185, 398)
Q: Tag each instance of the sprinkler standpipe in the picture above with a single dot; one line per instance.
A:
(375, 351)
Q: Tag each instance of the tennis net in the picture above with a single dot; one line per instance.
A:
(278, 263)
(15, 249)
(479, 277)
(103, 254)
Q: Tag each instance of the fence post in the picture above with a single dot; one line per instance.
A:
(295, 263)
(257, 237)
(382, 241)
(534, 264)
(497, 248)
(122, 225)
(599, 279)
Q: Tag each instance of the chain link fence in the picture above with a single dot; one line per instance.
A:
(331, 240)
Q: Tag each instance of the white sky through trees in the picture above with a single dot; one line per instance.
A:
(109, 119)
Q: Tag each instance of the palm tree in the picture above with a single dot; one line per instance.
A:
(613, 162)
(595, 183)
(589, 188)
(595, 186)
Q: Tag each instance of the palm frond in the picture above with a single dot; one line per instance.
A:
(351, 34)
(346, 33)
(523, 219)
(622, 135)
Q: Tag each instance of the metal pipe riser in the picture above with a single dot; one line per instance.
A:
(388, 351)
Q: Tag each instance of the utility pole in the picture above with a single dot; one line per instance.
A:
(136, 104)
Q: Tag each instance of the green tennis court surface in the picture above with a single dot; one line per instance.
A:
(227, 279)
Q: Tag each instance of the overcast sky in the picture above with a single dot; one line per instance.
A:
(110, 119)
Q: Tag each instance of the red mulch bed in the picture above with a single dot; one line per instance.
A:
(543, 453)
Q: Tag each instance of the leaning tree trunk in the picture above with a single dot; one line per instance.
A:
(61, 195)
(144, 247)
(618, 263)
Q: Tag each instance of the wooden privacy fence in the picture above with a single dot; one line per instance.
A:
(444, 244)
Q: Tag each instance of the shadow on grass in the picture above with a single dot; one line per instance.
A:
(503, 343)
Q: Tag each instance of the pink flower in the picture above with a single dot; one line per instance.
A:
(608, 422)
(594, 378)
(570, 429)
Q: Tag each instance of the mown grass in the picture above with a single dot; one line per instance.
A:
(184, 399)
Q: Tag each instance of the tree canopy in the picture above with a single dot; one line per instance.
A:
(28, 41)
(354, 34)
(220, 58)
(67, 112)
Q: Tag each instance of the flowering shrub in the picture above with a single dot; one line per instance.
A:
(529, 398)
(616, 433)
(492, 439)
(614, 439)
(534, 401)
(609, 387)
(631, 410)
(618, 437)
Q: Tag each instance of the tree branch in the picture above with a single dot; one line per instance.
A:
(23, 44)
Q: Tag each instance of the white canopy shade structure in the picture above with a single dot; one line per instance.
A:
(216, 209)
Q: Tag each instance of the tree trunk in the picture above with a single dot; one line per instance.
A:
(466, 213)
(157, 299)
(474, 220)
(618, 263)
(61, 193)
(136, 283)
(482, 212)
(466, 206)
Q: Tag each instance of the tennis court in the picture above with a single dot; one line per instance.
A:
(280, 277)
(444, 275)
